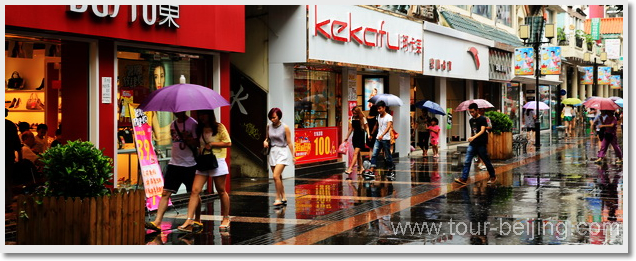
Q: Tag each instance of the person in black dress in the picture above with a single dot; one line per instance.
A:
(372, 120)
(357, 125)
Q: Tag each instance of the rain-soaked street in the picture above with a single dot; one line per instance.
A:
(557, 196)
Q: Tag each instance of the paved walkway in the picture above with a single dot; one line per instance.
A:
(555, 196)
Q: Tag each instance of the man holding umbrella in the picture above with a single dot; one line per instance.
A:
(478, 145)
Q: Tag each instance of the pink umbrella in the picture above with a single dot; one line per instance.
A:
(481, 103)
(602, 104)
(183, 97)
(533, 106)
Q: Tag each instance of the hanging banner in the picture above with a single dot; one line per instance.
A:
(613, 48)
(615, 82)
(316, 144)
(550, 60)
(604, 74)
(596, 28)
(150, 169)
(524, 61)
(586, 75)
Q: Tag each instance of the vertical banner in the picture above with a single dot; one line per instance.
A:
(316, 144)
(615, 82)
(150, 169)
(524, 61)
(596, 29)
(604, 74)
(449, 118)
(586, 75)
(352, 104)
(550, 60)
(613, 48)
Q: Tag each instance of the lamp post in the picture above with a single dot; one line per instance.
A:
(586, 57)
(524, 34)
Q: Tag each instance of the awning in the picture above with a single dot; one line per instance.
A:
(532, 80)
(471, 26)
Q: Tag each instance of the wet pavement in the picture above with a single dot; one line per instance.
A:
(556, 196)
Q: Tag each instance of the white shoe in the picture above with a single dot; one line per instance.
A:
(483, 167)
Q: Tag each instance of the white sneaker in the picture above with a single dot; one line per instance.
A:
(483, 167)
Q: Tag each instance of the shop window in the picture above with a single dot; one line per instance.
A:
(140, 72)
(316, 104)
(483, 10)
(504, 14)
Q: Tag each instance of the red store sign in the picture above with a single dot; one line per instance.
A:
(348, 31)
(213, 27)
(316, 144)
(438, 64)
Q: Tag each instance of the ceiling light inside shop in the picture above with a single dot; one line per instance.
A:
(128, 55)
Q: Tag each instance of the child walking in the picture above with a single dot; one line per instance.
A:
(434, 130)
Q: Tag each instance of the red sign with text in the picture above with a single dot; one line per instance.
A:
(316, 144)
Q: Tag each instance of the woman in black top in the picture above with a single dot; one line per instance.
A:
(358, 126)
(371, 122)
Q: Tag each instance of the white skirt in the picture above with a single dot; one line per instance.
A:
(220, 171)
(280, 155)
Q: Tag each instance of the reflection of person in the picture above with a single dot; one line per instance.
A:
(609, 122)
(281, 153)
(477, 146)
(357, 125)
(383, 141)
(213, 138)
(423, 132)
(182, 166)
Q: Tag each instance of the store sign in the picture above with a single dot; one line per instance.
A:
(587, 75)
(437, 64)
(615, 82)
(596, 29)
(316, 144)
(165, 15)
(500, 64)
(604, 74)
(524, 61)
(613, 48)
(148, 163)
(550, 60)
(357, 35)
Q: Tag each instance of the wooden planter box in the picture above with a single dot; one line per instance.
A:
(500, 146)
(117, 219)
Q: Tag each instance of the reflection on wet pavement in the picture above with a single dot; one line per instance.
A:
(556, 196)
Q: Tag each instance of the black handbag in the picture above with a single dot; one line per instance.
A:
(15, 83)
(206, 161)
(265, 151)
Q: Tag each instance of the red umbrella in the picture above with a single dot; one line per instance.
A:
(481, 103)
(602, 104)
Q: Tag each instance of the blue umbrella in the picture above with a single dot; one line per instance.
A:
(430, 106)
(619, 102)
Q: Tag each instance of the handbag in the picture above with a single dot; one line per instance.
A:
(342, 149)
(34, 103)
(206, 161)
(265, 151)
(15, 83)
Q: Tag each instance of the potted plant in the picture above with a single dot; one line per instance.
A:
(75, 206)
(561, 38)
(589, 41)
(500, 137)
(580, 36)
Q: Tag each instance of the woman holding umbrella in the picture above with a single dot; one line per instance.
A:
(213, 138)
(529, 118)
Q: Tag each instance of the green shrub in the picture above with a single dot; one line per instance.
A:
(77, 169)
(500, 122)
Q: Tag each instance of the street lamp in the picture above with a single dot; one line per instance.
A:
(524, 34)
(586, 57)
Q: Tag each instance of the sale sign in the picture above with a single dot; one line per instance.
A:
(316, 144)
(150, 169)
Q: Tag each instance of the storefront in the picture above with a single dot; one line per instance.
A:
(325, 60)
(90, 62)
(459, 63)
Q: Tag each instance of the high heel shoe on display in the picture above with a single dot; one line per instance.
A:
(41, 85)
(13, 103)
(17, 104)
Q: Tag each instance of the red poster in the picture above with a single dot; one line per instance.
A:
(352, 104)
(316, 144)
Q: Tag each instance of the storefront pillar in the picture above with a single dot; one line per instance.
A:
(400, 84)
(440, 95)
(588, 91)
(75, 92)
(281, 86)
(470, 94)
(572, 89)
(107, 123)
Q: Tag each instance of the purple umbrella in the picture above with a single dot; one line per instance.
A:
(183, 97)
(481, 103)
(533, 106)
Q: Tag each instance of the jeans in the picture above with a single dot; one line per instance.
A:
(482, 152)
(386, 145)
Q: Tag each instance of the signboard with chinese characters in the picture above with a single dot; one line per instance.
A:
(524, 61)
(550, 60)
(615, 82)
(150, 169)
(596, 29)
(587, 75)
(500, 65)
(360, 36)
(604, 74)
(316, 144)
(613, 48)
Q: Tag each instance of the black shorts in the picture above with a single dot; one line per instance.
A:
(176, 175)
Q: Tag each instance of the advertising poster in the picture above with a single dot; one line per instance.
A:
(316, 144)
(150, 169)
(524, 61)
(604, 74)
(587, 73)
(372, 87)
(550, 60)
(352, 104)
(615, 82)
(613, 48)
